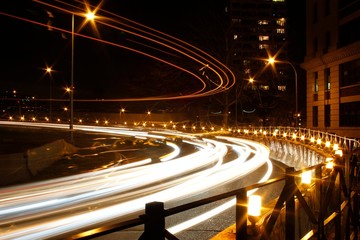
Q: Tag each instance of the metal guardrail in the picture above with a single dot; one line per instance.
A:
(301, 134)
(326, 215)
(334, 212)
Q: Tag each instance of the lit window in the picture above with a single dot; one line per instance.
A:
(278, 0)
(263, 22)
(264, 87)
(263, 46)
(316, 83)
(281, 22)
(327, 79)
(263, 38)
(282, 88)
(280, 30)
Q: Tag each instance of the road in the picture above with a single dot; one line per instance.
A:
(56, 208)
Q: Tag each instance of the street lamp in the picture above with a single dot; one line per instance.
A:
(251, 80)
(271, 61)
(122, 112)
(48, 71)
(89, 16)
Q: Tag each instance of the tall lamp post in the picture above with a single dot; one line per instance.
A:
(89, 16)
(272, 61)
(251, 80)
(72, 75)
(48, 71)
(122, 112)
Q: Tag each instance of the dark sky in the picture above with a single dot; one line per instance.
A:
(103, 71)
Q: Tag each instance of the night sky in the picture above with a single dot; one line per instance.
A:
(103, 71)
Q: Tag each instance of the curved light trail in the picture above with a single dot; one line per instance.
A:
(61, 206)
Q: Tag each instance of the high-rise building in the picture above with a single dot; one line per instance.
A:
(258, 30)
(332, 65)
(257, 26)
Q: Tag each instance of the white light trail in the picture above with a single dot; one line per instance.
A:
(55, 207)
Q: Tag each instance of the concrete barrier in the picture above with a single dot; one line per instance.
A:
(20, 167)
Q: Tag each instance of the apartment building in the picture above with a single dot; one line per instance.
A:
(258, 31)
(332, 65)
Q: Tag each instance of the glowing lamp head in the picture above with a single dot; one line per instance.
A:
(90, 16)
(254, 205)
(339, 152)
(306, 177)
(329, 163)
(271, 60)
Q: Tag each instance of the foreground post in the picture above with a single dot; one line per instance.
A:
(241, 215)
(154, 221)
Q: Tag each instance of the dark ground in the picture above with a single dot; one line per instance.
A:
(93, 150)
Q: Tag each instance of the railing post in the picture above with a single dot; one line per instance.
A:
(355, 216)
(155, 221)
(347, 172)
(290, 204)
(320, 196)
(339, 166)
(241, 214)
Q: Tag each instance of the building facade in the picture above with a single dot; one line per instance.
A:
(258, 31)
(257, 28)
(332, 65)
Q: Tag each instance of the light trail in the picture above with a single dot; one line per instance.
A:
(61, 206)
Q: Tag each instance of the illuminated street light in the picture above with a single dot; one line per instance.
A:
(89, 16)
(48, 71)
(122, 112)
(251, 81)
(271, 61)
